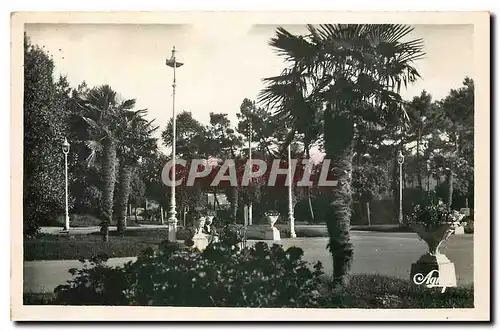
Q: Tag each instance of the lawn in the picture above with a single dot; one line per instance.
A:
(134, 241)
(74, 247)
(131, 243)
(86, 220)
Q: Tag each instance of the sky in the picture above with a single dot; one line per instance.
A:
(222, 64)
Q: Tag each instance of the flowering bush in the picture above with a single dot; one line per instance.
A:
(433, 216)
(220, 276)
(232, 234)
(210, 212)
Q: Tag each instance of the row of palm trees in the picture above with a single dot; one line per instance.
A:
(115, 133)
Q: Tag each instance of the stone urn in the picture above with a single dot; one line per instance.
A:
(199, 224)
(433, 269)
(272, 233)
(208, 222)
(271, 220)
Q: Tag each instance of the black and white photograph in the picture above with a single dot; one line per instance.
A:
(332, 162)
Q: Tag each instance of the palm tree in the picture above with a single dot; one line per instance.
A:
(352, 74)
(99, 114)
(136, 143)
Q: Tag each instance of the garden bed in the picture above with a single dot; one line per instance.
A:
(364, 291)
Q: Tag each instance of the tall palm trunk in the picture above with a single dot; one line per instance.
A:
(109, 150)
(125, 175)
(339, 137)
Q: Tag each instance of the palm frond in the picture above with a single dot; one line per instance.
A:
(95, 147)
(93, 125)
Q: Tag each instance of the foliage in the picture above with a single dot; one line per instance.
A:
(434, 215)
(95, 283)
(257, 125)
(377, 291)
(257, 277)
(44, 132)
(232, 234)
(137, 189)
(191, 141)
(73, 247)
(149, 173)
(221, 276)
(370, 182)
(421, 113)
(135, 135)
(469, 225)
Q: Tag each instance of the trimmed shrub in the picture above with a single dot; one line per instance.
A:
(469, 225)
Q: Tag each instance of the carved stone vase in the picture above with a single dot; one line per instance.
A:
(433, 269)
(208, 222)
(272, 233)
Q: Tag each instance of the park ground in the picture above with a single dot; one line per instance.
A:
(383, 253)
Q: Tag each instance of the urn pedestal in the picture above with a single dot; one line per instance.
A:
(433, 269)
(200, 239)
(172, 229)
(272, 233)
(460, 230)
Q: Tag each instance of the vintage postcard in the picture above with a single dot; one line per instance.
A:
(311, 166)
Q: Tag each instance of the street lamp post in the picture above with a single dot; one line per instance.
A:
(291, 219)
(249, 221)
(401, 159)
(172, 220)
(428, 175)
(65, 148)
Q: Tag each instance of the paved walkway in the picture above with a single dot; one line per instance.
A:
(389, 254)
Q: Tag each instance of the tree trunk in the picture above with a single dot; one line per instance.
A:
(123, 194)
(308, 188)
(450, 188)
(234, 204)
(368, 213)
(395, 185)
(339, 134)
(216, 201)
(109, 162)
(419, 170)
